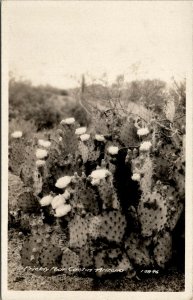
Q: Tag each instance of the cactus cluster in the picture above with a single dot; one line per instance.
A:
(98, 198)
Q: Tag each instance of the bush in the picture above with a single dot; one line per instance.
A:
(45, 106)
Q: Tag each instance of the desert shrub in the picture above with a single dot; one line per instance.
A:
(38, 104)
(107, 198)
(27, 127)
(149, 93)
(78, 112)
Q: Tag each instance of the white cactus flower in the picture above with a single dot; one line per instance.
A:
(145, 146)
(136, 177)
(17, 134)
(95, 181)
(85, 137)
(62, 182)
(99, 137)
(60, 138)
(46, 200)
(58, 201)
(44, 143)
(113, 150)
(41, 153)
(68, 121)
(80, 130)
(100, 174)
(40, 162)
(143, 131)
(62, 210)
(66, 195)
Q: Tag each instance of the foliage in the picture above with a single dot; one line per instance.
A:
(45, 106)
(151, 93)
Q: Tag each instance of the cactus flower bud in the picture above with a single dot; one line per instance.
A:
(17, 134)
(32, 258)
(58, 201)
(66, 195)
(62, 210)
(145, 146)
(63, 182)
(43, 143)
(99, 137)
(40, 163)
(143, 131)
(68, 121)
(80, 130)
(113, 150)
(100, 174)
(85, 137)
(41, 153)
(136, 177)
(46, 200)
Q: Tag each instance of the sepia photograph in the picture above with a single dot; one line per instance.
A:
(97, 148)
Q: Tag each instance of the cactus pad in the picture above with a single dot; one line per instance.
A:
(69, 260)
(15, 188)
(152, 213)
(94, 227)
(163, 249)
(28, 166)
(174, 207)
(38, 182)
(94, 152)
(138, 251)
(128, 134)
(107, 193)
(27, 202)
(85, 197)
(78, 228)
(50, 256)
(147, 172)
(16, 156)
(111, 259)
(30, 252)
(113, 226)
(179, 174)
(37, 252)
(84, 151)
(86, 257)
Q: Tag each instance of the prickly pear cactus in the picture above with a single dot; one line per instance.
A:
(84, 196)
(78, 229)
(163, 249)
(113, 226)
(138, 251)
(69, 259)
(152, 213)
(27, 202)
(85, 255)
(99, 198)
(107, 193)
(112, 259)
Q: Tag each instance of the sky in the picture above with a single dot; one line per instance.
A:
(54, 42)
